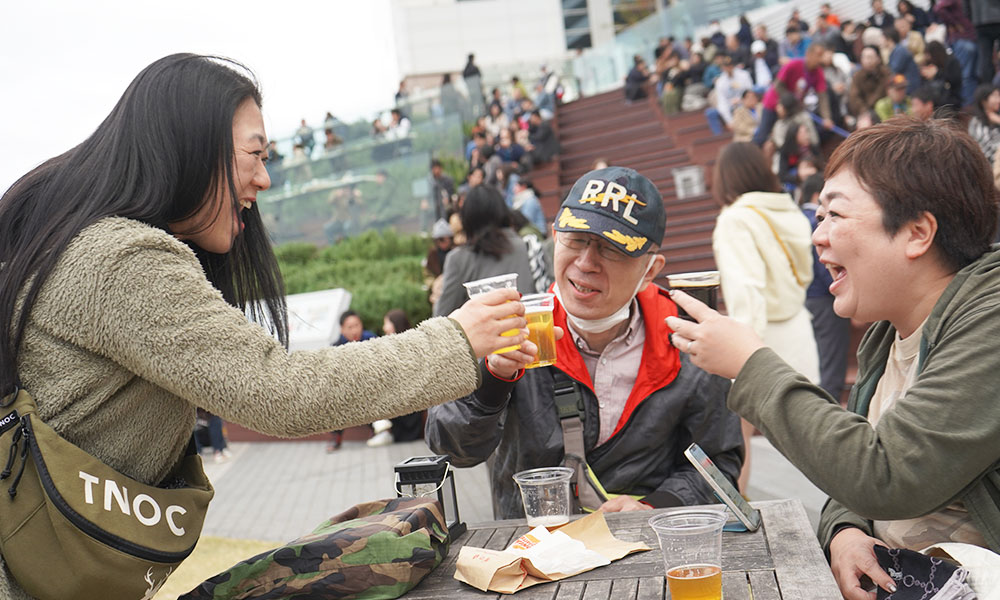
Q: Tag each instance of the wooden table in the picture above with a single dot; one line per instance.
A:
(781, 560)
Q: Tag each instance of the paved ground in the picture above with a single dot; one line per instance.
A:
(277, 491)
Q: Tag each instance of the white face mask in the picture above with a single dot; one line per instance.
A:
(612, 320)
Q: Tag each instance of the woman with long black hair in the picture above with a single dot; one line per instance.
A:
(943, 71)
(493, 248)
(131, 262)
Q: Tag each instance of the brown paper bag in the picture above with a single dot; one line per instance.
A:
(506, 572)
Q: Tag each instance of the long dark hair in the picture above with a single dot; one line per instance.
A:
(791, 145)
(742, 168)
(484, 216)
(978, 99)
(937, 54)
(157, 158)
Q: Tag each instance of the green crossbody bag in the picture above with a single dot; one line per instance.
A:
(73, 527)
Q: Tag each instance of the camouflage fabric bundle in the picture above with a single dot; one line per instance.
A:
(373, 550)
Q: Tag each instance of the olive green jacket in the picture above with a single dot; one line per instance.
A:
(128, 336)
(941, 441)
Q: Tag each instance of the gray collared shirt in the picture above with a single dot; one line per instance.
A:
(614, 371)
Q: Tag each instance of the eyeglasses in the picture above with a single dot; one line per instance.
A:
(579, 243)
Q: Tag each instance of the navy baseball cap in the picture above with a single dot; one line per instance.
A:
(618, 204)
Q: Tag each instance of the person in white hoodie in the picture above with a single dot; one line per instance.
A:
(763, 250)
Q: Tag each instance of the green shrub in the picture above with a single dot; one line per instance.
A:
(371, 302)
(324, 275)
(382, 271)
(375, 245)
(295, 253)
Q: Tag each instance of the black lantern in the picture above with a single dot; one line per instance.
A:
(427, 475)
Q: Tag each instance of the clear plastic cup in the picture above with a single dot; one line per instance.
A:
(538, 314)
(703, 285)
(546, 496)
(691, 543)
(497, 282)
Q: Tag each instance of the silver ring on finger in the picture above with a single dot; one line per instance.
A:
(690, 343)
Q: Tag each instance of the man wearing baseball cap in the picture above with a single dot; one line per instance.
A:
(620, 405)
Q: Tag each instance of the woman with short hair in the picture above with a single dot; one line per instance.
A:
(907, 215)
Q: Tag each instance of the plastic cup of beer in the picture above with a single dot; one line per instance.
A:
(545, 494)
(538, 314)
(691, 543)
(497, 282)
(703, 285)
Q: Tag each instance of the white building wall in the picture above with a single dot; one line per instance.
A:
(435, 36)
(602, 22)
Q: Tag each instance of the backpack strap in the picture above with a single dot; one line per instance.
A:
(588, 491)
(784, 248)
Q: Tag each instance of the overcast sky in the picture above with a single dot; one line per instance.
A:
(64, 63)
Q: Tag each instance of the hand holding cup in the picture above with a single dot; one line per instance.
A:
(507, 365)
(485, 317)
(715, 343)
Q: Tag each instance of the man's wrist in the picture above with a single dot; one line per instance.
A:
(506, 378)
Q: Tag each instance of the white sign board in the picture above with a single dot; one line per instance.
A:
(314, 318)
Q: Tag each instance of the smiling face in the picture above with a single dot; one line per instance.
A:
(866, 262)
(217, 222)
(593, 287)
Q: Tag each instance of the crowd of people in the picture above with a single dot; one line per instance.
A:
(791, 249)
(507, 142)
(137, 260)
(832, 76)
(492, 221)
(144, 263)
(511, 136)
